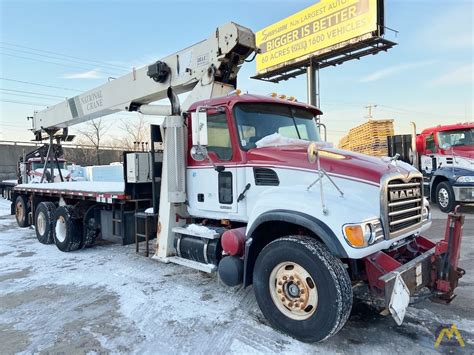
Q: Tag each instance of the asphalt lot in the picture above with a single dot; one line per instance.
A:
(108, 299)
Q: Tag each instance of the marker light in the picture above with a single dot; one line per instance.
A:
(363, 234)
(235, 92)
(355, 235)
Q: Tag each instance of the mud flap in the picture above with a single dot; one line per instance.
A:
(399, 300)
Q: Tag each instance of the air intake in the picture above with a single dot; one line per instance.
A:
(265, 177)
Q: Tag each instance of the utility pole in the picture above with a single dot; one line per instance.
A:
(370, 107)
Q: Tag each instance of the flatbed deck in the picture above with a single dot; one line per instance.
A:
(99, 191)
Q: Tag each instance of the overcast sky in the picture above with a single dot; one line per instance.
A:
(427, 78)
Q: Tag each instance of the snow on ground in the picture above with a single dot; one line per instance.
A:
(109, 299)
(4, 207)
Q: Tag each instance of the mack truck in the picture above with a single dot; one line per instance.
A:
(445, 156)
(246, 188)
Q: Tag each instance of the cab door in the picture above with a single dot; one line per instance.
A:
(211, 186)
(428, 159)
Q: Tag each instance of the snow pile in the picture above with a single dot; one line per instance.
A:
(200, 230)
(4, 207)
(104, 172)
(276, 140)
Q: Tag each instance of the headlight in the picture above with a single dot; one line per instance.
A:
(359, 235)
(465, 179)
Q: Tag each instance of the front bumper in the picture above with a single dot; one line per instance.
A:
(398, 275)
(464, 193)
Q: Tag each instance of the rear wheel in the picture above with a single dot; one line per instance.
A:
(44, 222)
(302, 289)
(67, 229)
(21, 211)
(445, 197)
(91, 233)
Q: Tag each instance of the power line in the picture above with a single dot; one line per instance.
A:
(404, 111)
(50, 62)
(12, 125)
(67, 56)
(24, 103)
(32, 92)
(31, 96)
(58, 56)
(46, 86)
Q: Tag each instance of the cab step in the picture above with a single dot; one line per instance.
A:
(210, 234)
(209, 268)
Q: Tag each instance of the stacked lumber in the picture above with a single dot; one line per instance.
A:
(369, 138)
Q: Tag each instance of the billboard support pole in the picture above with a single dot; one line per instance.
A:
(312, 79)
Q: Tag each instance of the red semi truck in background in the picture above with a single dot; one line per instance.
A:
(445, 156)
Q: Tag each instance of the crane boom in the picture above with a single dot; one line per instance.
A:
(217, 59)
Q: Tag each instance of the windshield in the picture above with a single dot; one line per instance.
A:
(255, 121)
(39, 165)
(456, 138)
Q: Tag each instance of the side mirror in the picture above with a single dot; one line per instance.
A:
(199, 153)
(199, 128)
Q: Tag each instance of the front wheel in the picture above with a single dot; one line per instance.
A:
(445, 197)
(302, 289)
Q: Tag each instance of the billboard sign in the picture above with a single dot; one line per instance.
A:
(321, 27)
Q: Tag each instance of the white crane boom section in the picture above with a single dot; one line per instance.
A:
(216, 59)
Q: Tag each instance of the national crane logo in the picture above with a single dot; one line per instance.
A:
(403, 194)
(92, 101)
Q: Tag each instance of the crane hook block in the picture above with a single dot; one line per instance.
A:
(159, 71)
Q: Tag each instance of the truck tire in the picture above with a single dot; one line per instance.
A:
(44, 222)
(67, 229)
(21, 211)
(302, 289)
(91, 233)
(445, 197)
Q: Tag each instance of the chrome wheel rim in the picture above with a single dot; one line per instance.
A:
(19, 211)
(293, 291)
(61, 229)
(41, 223)
(443, 197)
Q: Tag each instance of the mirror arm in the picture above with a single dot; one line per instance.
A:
(325, 130)
(218, 168)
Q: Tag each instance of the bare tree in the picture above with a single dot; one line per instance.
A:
(92, 135)
(136, 130)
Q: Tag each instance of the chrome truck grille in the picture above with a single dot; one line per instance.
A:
(403, 204)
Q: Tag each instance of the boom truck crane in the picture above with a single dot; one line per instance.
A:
(246, 187)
